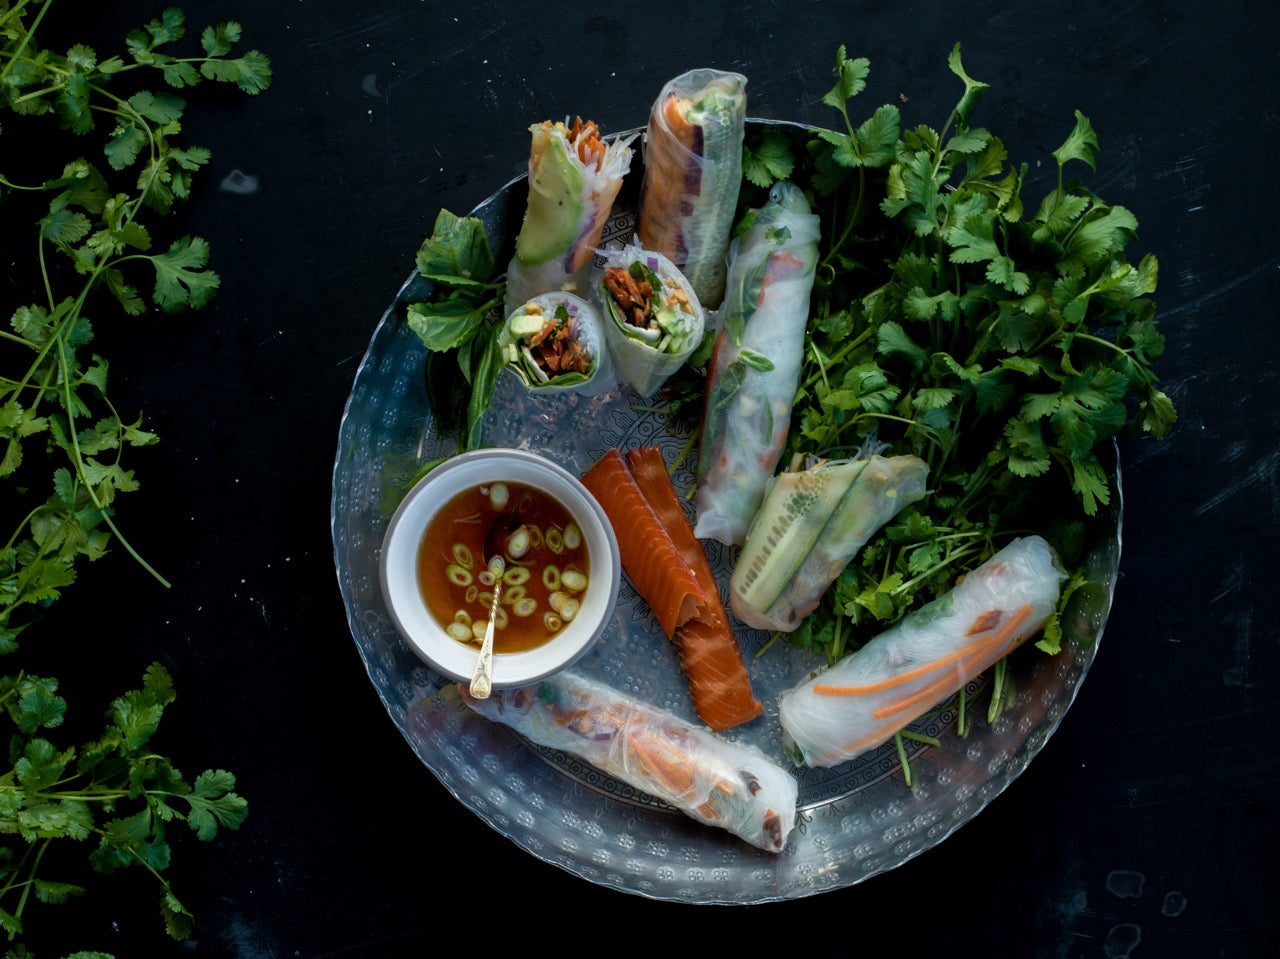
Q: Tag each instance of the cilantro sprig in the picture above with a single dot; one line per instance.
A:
(114, 791)
(1005, 342)
(54, 401)
(64, 445)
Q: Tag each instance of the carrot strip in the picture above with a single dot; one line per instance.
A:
(925, 696)
(1018, 618)
(940, 686)
(681, 128)
(901, 678)
(897, 680)
(669, 772)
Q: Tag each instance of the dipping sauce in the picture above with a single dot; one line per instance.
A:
(546, 576)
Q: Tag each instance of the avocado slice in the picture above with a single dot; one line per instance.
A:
(555, 205)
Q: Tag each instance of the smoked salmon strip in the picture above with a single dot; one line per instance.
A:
(648, 555)
(708, 649)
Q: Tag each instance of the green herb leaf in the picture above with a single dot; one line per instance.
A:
(214, 804)
(851, 79)
(768, 160)
(457, 253)
(181, 278)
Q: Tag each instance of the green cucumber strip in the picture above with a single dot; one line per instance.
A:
(784, 533)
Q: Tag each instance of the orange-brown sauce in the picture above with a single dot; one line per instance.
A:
(539, 588)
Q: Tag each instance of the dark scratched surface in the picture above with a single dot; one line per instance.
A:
(1147, 827)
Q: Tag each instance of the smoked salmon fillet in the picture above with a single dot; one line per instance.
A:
(669, 569)
(708, 649)
(648, 555)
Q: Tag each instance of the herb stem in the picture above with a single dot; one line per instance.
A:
(826, 362)
(6, 182)
(36, 853)
(902, 758)
(1101, 341)
(920, 737)
(82, 470)
(26, 37)
(942, 564)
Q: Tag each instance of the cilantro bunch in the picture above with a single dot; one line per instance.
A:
(1003, 342)
(64, 445)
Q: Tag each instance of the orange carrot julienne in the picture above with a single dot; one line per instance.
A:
(940, 686)
(925, 696)
(672, 774)
(679, 123)
(901, 678)
(1012, 624)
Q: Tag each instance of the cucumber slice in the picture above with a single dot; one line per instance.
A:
(795, 511)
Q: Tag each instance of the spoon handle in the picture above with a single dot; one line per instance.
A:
(482, 678)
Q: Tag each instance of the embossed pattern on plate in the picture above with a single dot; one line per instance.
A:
(855, 821)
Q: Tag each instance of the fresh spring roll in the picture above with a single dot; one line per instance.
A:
(555, 343)
(810, 526)
(861, 701)
(652, 318)
(574, 177)
(693, 169)
(714, 781)
(755, 368)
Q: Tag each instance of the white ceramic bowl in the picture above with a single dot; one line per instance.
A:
(398, 566)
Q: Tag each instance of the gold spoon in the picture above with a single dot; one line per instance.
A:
(495, 547)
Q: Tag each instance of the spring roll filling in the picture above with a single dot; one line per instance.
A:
(650, 310)
(546, 346)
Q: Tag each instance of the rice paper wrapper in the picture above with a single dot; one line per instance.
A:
(710, 779)
(581, 329)
(861, 701)
(693, 172)
(574, 179)
(813, 522)
(645, 357)
(755, 368)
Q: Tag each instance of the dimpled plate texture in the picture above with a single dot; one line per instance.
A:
(854, 821)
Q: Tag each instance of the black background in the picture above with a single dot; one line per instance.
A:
(1151, 815)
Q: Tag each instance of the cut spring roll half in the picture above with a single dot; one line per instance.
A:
(755, 368)
(574, 178)
(554, 342)
(653, 319)
(693, 169)
(722, 784)
(810, 526)
(861, 701)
